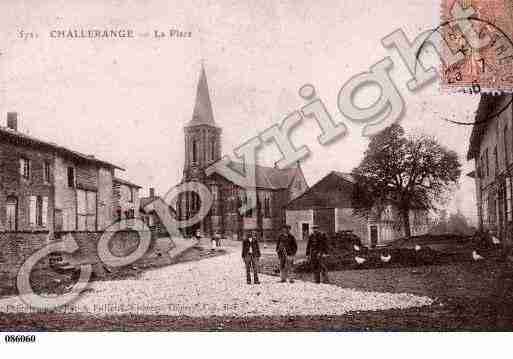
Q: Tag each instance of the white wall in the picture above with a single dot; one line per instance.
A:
(294, 218)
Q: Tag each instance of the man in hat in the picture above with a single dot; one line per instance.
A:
(286, 247)
(316, 250)
(251, 256)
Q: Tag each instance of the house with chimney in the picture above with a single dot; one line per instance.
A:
(275, 187)
(50, 188)
(491, 150)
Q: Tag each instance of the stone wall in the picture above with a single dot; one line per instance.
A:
(16, 248)
(122, 243)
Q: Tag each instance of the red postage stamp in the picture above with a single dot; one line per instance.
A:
(479, 35)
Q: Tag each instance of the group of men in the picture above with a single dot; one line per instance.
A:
(286, 249)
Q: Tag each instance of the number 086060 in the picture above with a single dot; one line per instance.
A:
(20, 338)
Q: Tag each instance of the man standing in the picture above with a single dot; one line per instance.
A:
(316, 250)
(251, 256)
(286, 249)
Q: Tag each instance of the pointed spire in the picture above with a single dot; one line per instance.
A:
(202, 114)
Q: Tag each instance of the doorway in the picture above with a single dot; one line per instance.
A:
(12, 213)
(305, 230)
(373, 236)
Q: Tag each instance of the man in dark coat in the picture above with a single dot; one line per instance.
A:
(251, 256)
(286, 247)
(316, 250)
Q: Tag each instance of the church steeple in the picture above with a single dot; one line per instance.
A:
(202, 114)
(202, 136)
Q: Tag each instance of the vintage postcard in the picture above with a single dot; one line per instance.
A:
(255, 166)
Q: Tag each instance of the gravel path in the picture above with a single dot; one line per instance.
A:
(217, 286)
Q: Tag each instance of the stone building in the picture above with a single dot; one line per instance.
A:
(328, 204)
(275, 187)
(491, 149)
(47, 187)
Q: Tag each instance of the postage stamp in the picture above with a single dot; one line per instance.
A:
(486, 47)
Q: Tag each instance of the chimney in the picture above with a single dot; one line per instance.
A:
(152, 192)
(12, 120)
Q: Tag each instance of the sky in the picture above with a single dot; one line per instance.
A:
(126, 100)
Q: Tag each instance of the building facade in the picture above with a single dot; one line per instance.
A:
(46, 187)
(491, 150)
(328, 204)
(275, 187)
(125, 197)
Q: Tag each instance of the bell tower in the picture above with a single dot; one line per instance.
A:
(202, 136)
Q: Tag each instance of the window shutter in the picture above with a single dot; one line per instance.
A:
(45, 211)
(32, 210)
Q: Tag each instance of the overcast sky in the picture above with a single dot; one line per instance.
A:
(126, 100)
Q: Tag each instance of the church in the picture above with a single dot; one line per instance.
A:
(275, 187)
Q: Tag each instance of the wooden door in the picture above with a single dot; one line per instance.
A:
(12, 214)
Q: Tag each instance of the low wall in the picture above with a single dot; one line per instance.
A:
(16, 248)
(121, 244)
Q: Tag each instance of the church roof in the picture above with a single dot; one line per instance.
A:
(270, 177)
(202, 114)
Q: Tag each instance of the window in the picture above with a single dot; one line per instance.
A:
(194, 151)
(46, 172)
(487, 163)
(213, 149)
(86, 210)
(484, 209)
(25, 167)
(496, 157)
(38, 211)
(249, 205)
(482, 167)
(267, 207)
(131, 194)
(71, 177)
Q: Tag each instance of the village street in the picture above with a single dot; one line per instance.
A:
(217, 287)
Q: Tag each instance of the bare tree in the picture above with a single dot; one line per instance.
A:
(407, 172)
